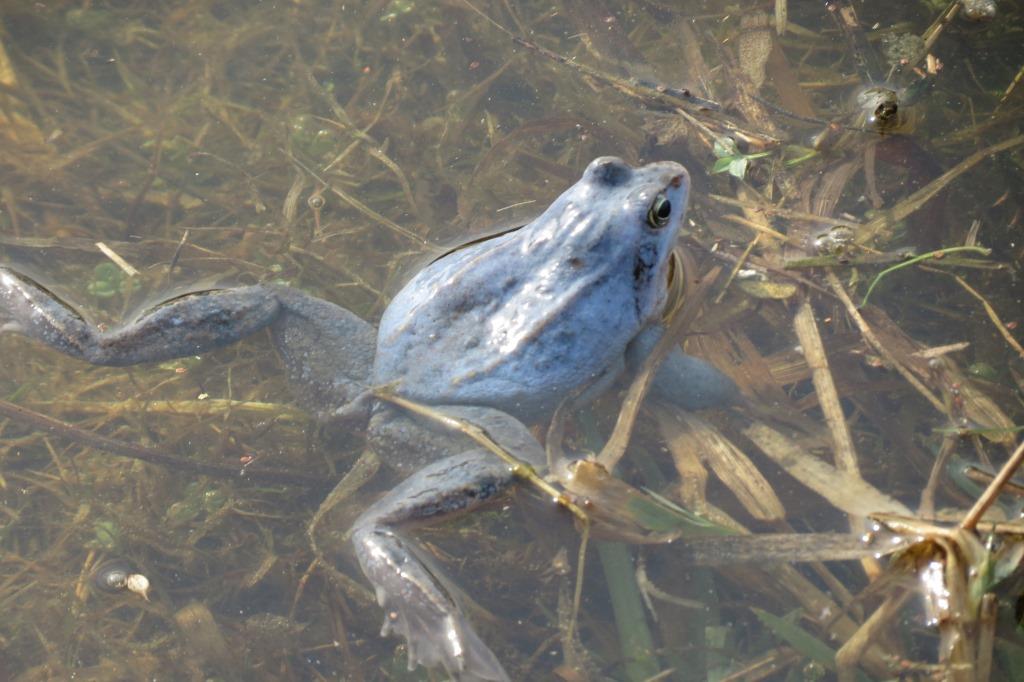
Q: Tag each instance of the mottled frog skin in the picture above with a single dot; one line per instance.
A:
(504, 330)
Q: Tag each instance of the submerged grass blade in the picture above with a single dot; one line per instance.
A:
(798, 638)
(635, 637)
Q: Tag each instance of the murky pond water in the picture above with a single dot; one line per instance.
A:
(853, 248)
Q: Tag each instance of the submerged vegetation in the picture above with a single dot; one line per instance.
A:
(852, 262)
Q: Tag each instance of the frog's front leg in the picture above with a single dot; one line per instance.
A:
(682, 380)
(327, 350)
(415, 601)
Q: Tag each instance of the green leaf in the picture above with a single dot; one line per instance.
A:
(738, 167)
(635, 640)
(725, 147)
(1007, 560)
(722, 165)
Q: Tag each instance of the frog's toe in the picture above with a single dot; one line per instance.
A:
(420, 610)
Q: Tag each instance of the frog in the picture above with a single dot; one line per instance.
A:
(503, 331)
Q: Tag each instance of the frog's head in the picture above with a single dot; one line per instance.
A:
(623, 222)
(649, 201)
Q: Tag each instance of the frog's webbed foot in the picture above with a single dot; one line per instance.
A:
(416, 603)
(682, 380)
(417, 608)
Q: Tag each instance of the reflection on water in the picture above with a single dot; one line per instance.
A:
(337, 147)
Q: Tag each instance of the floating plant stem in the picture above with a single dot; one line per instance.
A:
(917, 259)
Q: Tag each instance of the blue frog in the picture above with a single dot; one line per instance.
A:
(510, 327)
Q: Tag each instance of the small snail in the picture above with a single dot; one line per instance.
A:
(116, 575)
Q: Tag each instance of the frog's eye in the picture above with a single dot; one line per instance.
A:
(660, 212)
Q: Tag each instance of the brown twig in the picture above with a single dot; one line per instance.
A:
(935, 30)
(1009, 89)
(737, 267)
(771, 209)
(913, 202)
(853, 650)
(988, 497)
(926, 508)
(992, 314)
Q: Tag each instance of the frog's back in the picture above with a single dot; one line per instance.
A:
(495, 338)
(520, 321)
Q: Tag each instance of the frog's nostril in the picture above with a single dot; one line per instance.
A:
(677, 181)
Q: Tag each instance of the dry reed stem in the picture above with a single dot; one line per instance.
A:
(696, 293)
(757, 227)
(988, 497)
(912, 203)
(824, 385)
(992, 314)
(926, 508)
(730, 464)
(818, 606)
(850, 654)
(740, 262)
(844, 490)
(117, 259)
(870, 337)
(986, 637)
(790, 214)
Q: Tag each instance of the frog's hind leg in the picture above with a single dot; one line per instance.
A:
(327, 352)
(415, 601)
(188, 325)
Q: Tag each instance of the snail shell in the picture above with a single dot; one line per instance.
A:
(112, 575)
(117, 575)
(139, 584)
